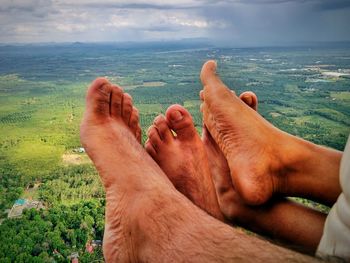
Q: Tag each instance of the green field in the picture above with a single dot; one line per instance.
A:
(40, 113)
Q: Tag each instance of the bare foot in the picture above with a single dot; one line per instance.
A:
(183, 157)
(110, 133)
(253, 147)
(220, 171)
(146, 218)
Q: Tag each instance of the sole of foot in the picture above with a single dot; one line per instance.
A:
(220, 171)
(252, 146)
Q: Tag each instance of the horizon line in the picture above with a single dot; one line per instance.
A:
(189, 41)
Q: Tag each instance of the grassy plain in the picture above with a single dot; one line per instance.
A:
(41, 109)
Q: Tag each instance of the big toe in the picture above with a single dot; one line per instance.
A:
(213, 86)
(98, 98)
(180, 121)
(134, 123)
(250, 98)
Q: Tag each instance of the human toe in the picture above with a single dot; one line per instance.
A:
(150, 149)
(163, 128)
(127, 108)
(180, 121)
(98, 97)
(116, 102)
(134, 123)
(154, 137)
(250, 98)
(213, 86)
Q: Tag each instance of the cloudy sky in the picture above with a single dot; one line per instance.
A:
(229, 22)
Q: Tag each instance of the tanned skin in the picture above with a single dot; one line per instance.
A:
(262, 159)
(147, 219)
(174, 143)
(187, 167)
(196, 167)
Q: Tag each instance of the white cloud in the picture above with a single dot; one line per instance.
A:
(23, 29)
(70, 28)
(118, 21)
(238, 21)
(143, 19)
(190, 22)
(132, 3)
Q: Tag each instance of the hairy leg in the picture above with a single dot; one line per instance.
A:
(146, 218)
(264, 160)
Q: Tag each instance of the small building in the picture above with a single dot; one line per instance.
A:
(96, 243)
(92, 245)
(21, 204)
(79, 150)
(74, 257)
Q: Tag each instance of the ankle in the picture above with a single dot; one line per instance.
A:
(291, 154)
(304, 168)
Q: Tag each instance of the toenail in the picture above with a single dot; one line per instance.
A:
(158, 119)
(176, 116)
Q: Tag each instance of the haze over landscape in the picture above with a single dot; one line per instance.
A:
(294, 54)
(223, 22)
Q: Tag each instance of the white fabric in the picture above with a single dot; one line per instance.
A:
(335, 241)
